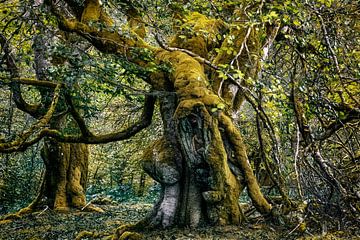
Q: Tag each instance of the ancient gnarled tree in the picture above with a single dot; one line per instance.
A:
(196, 62)
(201, 159)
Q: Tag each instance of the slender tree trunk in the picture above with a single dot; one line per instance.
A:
(142, 184)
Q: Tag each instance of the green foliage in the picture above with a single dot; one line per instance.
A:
(20, 175)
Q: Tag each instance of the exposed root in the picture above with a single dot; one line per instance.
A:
(93, 208)
(4, 221)
(84, 234)
(95, 235)
(89, 207)
(33, 208)
(12, 216)
(128, 232)
(130, 236)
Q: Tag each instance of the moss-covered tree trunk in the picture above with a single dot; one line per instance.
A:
(65, 177)
(66, 164)
(200, 160)
(191, 164)
(64, 181)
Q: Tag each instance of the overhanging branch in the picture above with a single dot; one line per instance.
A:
(143, 122)
(352, 115)
(105, 39)
(77, 117)
(23, 141)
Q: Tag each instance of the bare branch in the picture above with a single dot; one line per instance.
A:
(333, 55)
(77, 117)
(352, 115)
(309, 141)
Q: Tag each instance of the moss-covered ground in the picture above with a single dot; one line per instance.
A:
(50, 225)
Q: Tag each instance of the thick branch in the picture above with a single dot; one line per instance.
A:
(190, 53)
(144, 121)
(105, 39)
(86, 136)
(30, 82)
(77, 117)
(235, 138)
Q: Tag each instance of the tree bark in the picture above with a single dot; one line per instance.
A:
(65, 178)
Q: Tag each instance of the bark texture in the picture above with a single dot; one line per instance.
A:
(203, 166)
(65, 178)
(201, 160)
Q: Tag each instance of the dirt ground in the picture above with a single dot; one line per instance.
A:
(50, 225)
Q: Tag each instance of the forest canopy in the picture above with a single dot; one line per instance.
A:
(216, 100)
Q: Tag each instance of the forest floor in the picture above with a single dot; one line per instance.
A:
(50, 225)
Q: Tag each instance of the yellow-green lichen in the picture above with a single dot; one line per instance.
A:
(91, 11)
(198, 34)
